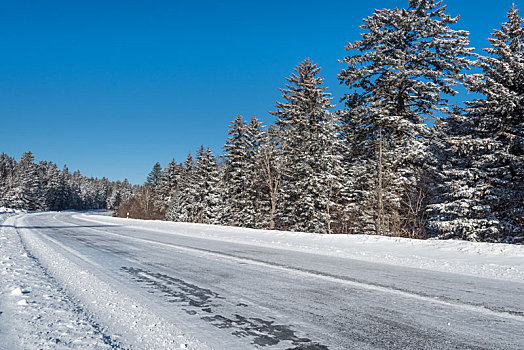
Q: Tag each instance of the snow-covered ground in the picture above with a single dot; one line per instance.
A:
(35, 312)
(490, 260)
(9, 210)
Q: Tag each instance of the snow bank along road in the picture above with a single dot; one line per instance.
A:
(117, 283)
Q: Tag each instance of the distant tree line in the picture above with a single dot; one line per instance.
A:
(42, 186)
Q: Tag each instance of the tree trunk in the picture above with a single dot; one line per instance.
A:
(380, 201)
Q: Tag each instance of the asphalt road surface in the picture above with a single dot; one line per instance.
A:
(240, 296)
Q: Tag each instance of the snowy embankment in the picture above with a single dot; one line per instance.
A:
(35, 313)
(489, 260)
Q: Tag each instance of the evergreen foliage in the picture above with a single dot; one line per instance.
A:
(399, 74)
(166, 187)
(235, 173)
(310, 152)
(182, 201)
(30, 186)
(257, 204)
(483, 174)
(208, 192)
(241, 178)
(154, 176)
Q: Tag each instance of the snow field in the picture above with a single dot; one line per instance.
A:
(489, 260)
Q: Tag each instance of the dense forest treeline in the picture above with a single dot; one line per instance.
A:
(42, 186)
(376, 166)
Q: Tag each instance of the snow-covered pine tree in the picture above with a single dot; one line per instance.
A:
(235, 173)
(84, 190)
(54, 187)
(115, 196)
(399, 74)
(119, 192)
(7, 178)
(181, 205)
(127, 189)
(166, 186)
(501, 115)
(103, 192)
(67, 199)
(74, 199)
(28, 194)
(310, 151)
(484, 176)
(459, 207)
(209, 210)
(241, 175)
(154, 176)
(257, 203)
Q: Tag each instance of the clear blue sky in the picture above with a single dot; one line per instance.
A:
(111, 87)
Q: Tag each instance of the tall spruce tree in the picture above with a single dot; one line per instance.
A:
(7, 179)
(209, 191)
(183, 201)
(235, 174)
(167, 186)
(483, 179)
(310, 151)
(400, 74)
(500, 117)
(198, 195)
(256, 197)
(457, 209)
(241, 175)
(154, 176)
(29, 194)
(54, 187)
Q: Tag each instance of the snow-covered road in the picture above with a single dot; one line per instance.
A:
(151, 285)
